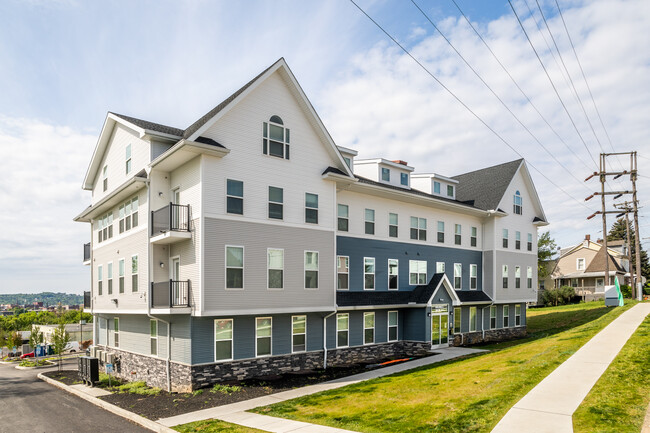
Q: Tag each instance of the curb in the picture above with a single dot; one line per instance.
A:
(144, 422)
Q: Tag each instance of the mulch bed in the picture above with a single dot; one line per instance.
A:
(167, 404)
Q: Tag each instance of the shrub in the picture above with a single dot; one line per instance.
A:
(225, 389)
(561, 296)
(626, 291)
(646, 290)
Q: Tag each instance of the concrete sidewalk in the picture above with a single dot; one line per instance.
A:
(548, 408)
(236, 412)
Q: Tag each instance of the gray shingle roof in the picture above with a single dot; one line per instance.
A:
(145, 124)
(485, 188)
(472, 296)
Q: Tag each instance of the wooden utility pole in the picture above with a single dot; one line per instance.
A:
(625, 207)
(637, 239)
(603, 179)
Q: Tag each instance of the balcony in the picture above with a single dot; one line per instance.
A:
(86, 254)
(170, 224)
(170, 295)
(86, 300)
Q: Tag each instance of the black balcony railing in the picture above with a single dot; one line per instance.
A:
(87, 252)
(173, 217)
(169, 294)
(86, 300)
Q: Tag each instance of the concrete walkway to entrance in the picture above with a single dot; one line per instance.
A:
(550, 405)
(236, 412)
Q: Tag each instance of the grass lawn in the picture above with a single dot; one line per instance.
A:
(214, 426)
(618, 401)
(470, 394)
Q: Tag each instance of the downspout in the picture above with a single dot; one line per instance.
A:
(325, 338)
(169, 326)
(483, 321)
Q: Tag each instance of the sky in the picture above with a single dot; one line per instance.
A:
(65, 63)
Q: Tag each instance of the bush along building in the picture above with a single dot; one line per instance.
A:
(250, 244)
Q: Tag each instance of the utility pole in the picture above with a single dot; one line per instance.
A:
(625, 207)
(637, 241)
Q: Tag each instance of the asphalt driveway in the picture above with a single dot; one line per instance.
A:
(29, 404)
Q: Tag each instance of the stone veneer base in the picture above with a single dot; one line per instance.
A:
(491, 335)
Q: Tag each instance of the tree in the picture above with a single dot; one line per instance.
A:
(619, 232)
(546, 247)
(16, 340)
(60, 340)
(36, 338)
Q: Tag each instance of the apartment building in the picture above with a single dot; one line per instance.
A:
(250, 244)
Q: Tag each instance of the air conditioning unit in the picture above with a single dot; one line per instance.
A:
(110, 358)
(100, 355)
(93, 351)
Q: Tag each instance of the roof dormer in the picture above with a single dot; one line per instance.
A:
(435, 184)
(395, 173)
(348, 156)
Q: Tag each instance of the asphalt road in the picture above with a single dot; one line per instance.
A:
(27, 404)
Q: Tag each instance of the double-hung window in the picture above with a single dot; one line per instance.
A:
(311, 208)
(530, 241)
(473, 237)
(276, 203)
(419, 228)
(153, 337)
(393, 274)
(457, 234)
(493, 317)
(517, 314)
(450, 191)
(529, 277)
(473, 277)
(343, 272)
(342, 330)
(441, 231)
(506, 316)
(369, 273)
(385, 174)
(128, 213)
(263, 332)
(343, 217)
(457, 320)
(234, 267)
(458, 276)
(116, 332)
(517, 277)
(100, 278)
(392, 225)
(311, 269)
(404, 179)
(472, 319)
(105, 226)
(110, 278)
(440, 267)
(436, 187)
(370, 221)
(275, 266)
(504, 275)
(368, 328)
(121, 275)
(298, 333)
(134, 273)
(580, 264)
(235, 196)
(417, 272)
(223, 331)
(517, 202)
(275, 141)
(505, 238)
(128, 159)
(517, 240)
(392, 325)
(105, 178)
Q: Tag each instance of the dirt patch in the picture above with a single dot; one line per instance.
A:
(166, 404)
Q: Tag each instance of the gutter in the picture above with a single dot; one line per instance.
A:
(325, 338)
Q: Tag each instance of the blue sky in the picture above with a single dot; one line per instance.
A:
(65, 63)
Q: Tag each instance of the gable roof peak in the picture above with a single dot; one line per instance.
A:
(486, 186)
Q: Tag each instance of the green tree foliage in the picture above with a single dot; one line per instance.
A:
(47, 298)
(619, 232)
(546, 248)
(36, 338)
(60, 340)
(15, 340)
(555, 297)
(24, 321)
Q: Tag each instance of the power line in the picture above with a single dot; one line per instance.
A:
(496, 95)
(519, 87)
(461, 102)
(551, 81)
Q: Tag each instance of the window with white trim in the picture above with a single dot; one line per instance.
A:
(392, 225)
(436, 187)
(530, 241)
(441, 231)
(417, 272)
(298, 334)
(393, 324)
(311, 208)
(517, 277)
(369, 273)
(440, 267)
(311, 269)
(105, 227)
(385, 174)
(234, 196)
(457, 320)
(128, 214)
(343, 215)
(504, 275)
(343, 272)
(223, 341)
(100, 278)
(458, 276)
(134, 273)
(263, 335)
(105, 177)
(110, 277)
(393, 274)
(275, 268)
(419, 228)
(517, 240)
(404, 179)
(529, 277)
(121, 275)
(506, 316)
(450, 191)
(580, 264)
(369, 221)
(368, 328)
(276, 203)
(275, 140)
(517, 314)
(234, 267)
(472, 319)
(116, 332)
(153, 337)
(493, 317)
(505, 238)
(474, 236)
(457, 234)
(473, 277)
(517, 203)
(128, 159)
(342, 329)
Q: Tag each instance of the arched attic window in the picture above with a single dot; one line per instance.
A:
(276, 138)
(517, 203)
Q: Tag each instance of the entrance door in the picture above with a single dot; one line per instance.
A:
(175, 277)
(439, 326)
(175, 222)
